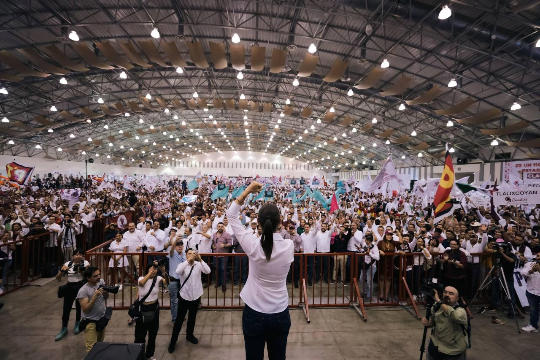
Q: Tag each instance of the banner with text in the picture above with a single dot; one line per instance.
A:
(528, 194)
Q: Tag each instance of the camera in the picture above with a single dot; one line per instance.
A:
(110, 289)
(501, 245)
(428, 291)
(161, 262)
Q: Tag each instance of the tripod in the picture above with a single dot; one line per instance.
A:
(496, 274)
(424, 336)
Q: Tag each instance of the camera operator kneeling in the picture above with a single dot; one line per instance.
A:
(95, 314)
(74, 271)
(189, 296)
(149, 321)
(448, 338)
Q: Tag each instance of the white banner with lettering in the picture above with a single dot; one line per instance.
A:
(515, 172)
(527, 194)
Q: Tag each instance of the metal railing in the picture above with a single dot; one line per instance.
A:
(314, 280)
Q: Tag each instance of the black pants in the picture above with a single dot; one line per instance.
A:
(434, 354)
(69, 297)
(260, 328)
(151, 328)
(185, 307)
(322, 264)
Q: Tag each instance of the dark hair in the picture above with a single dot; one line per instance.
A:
(77, 252)
(89, 271)
(269, 219)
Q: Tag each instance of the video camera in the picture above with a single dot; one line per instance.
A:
(501, 245)
(110, 289)
(428, 291)
(160, 262)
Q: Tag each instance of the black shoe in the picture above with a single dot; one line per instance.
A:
(171, 347)
(192, 339)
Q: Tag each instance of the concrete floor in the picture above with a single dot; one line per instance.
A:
(31, 318)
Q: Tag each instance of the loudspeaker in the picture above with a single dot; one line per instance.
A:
(116, 351)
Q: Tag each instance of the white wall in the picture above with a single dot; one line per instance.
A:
(45, 166)
(480, 171)
(227, 164)
(241, 163)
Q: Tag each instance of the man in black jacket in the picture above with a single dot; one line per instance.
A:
(339, 246)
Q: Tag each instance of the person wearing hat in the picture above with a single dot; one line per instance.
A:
(176, 256)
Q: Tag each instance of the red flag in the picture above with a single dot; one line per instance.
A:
(333, 204)
(18, 173)
(441, 202)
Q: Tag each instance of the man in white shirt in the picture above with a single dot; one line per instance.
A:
(51, 244)
(531, 272)
(189, 297)
(88, 216)
(322, 239)
(155, 240)
(134, 241)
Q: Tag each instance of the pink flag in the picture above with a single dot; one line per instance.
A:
(333, 204)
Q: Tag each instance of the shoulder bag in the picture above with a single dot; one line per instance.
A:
(134, 310)
(184, 283)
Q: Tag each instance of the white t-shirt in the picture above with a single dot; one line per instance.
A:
(143, 290)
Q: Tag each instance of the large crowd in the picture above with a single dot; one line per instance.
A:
(154, 213)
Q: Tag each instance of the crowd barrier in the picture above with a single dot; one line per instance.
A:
(34, 257)
(314, 280)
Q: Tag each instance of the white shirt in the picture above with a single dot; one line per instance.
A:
(533, 280)
(73, 276)
(54, 231)
(372, 254)
(323, 241)
(356, 239)
(266, 288)
(143, 290)
(308, 242)
(156, 239)
(133, 240)
(476, 249)
(192, 289)
(205, 244)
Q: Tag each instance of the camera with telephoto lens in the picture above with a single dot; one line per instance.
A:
(110, 289)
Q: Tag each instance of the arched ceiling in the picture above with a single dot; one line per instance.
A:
(489, 49)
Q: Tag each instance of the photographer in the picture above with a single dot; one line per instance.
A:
(92, 297)
(503, 255)
(448, 338)
(67, 237)
(149, 321)
(531, 271)
(189, 296)
(74, 271)
(176, 257)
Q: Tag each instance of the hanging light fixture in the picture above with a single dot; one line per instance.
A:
(179, 70)
(413, 133)
(235, 38)
(515, 106)
(387, 142)
(148, 96)
(240, 75)
(11, 142)
(100, 100)
(452, 83)
(420, 154)
(38, 146)
(332, 109)
(72, 136)
(494, 142)
(295, 82)
(53, 109)
(288, 101)
(3, 91)
(350, 92)
(450, 123)
(195, 95)
(155, 33)
(5, 120)
(63, 81)
(452, 150)
(445, 13)
(123, 75)
(385, 64)
(50, 130)
(374, 120)
(401, 107)
(242, 96)
(73, 36)
(312, 49)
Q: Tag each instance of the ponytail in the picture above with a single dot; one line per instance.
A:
(267, 238)
(269, 219)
